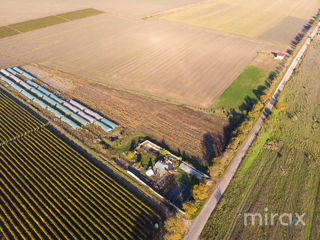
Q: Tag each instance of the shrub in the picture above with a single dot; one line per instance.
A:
(200, 191)
(175, 229)
(190, 208)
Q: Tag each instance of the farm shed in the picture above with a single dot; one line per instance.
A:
(45, 91)
(63, 109)
(72, 108)
(18, 70)
(149, 172)
(103, 126)
(40, 102)
(25, 85)
(78, 105)
(7, 80)
(32, 83)
(79, 119)
(192, 171)
(57, 99)
(280, 56)
(70, 122)
(28, 95)
(10, 70)
(87, 117)
(93, 114)
(109, 123)
(16, 87)
(26, 74)
(38, 93)
(55, 112)
(5, 72)
(16, 79)
(50, 101)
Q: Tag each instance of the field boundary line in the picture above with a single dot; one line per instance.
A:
(13, 29)
(63, 18)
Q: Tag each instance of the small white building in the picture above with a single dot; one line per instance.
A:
(149, 172)
(279, 56)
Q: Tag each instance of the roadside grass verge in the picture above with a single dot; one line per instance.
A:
(80, 14)
(284, 177)
(245, 90)
(44, 22)
(7, 32)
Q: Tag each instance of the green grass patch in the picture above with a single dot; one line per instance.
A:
(7, 32)
(246, 87)
(254, 152)
(80, 14)
(37, 23)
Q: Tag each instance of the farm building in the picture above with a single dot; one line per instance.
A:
(32, 83)
(70, 122)
(24, 73)
(93, 114)
(28, 95)
(79, 119)
(109, 123)
(7, 80)
(50, 101)
(37, 92)
(40, 102)
(10, 70)
(25, 85)
(280, 56)
(78, 105)
(87, 117)
(192, 171)
(16, 87)
(43, 90)
(72, 108)
(103, 126)
(63, 109)
(55, 112)
(57, 99)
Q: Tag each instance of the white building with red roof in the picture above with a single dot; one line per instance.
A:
(280, 56)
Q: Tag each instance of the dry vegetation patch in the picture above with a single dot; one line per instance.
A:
(195, 134)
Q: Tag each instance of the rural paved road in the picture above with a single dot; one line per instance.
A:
(199, 223)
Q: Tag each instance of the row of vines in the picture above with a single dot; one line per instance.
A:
(15, 121)
(50, 191)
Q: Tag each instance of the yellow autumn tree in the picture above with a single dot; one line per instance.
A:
(175, 229)
(190, 208)
(200, 191)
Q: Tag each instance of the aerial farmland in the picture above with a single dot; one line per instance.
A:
(95, 80)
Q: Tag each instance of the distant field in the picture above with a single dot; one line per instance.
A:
(243, 90)
(248, 18)
(50, 191)
(281, 170)
(39, 23)
(167, 61)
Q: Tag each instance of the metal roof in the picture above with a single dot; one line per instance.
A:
(70, 122)
(108, 122)
(45, 91)
(59, 100)
(79, 119)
